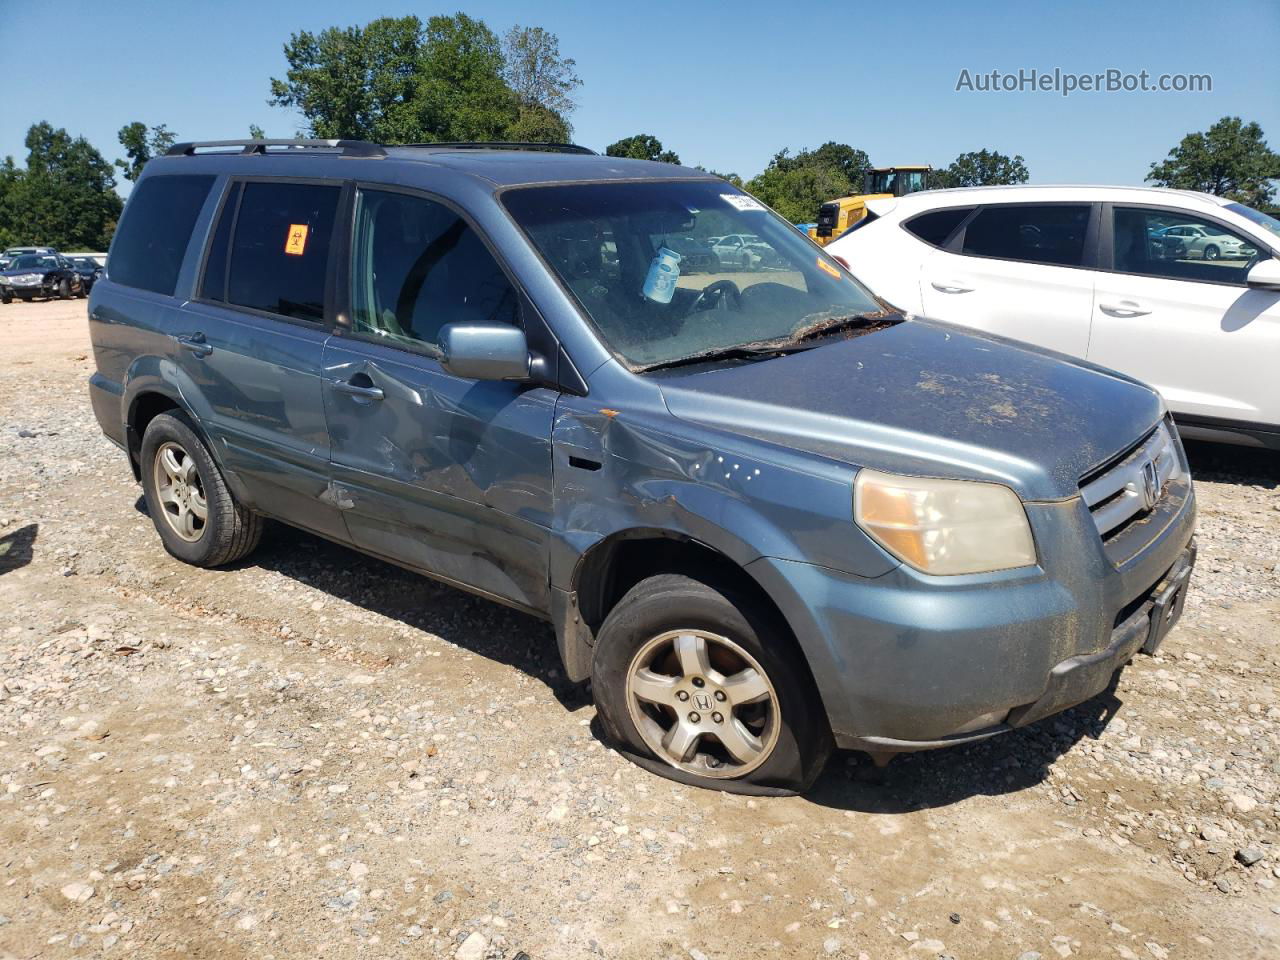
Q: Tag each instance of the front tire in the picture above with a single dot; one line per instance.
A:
(700, 683)
(1211, 252)
(194, 512)
(64, 290)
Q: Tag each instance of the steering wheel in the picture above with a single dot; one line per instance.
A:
(723, 291)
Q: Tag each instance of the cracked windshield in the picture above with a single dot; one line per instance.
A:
(679, 271)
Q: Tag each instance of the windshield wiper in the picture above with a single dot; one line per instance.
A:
(758, 351)
(793, 343)
(867, 322)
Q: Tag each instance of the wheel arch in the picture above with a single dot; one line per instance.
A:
(615, 563)
(147, 394)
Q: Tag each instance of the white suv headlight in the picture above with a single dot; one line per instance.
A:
(944, 527)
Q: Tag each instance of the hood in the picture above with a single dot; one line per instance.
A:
(930, 399)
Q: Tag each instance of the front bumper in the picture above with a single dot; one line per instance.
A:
(911, 662)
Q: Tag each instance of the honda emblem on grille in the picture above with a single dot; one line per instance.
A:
(1150, 485)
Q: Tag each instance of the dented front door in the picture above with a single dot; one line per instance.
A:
(447, 475)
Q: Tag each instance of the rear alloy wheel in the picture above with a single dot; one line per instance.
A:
(180, 492)
(192, 508)
(698, 682)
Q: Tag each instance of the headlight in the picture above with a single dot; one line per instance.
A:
(944, 526)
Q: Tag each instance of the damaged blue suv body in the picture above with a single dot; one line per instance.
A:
(766, 513)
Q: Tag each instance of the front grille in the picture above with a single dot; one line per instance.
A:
(1124, 492)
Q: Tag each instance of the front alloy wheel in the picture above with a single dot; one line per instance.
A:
(696, 678)
(702, 703)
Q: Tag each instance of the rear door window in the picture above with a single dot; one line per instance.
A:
(280, 248)
(935, 226)
(152, 240)
(1033, 233)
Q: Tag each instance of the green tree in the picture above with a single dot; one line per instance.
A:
(256, 132)
(797, 192)
(65, 197)
(542, 80)
(9, 176)
(850, 162)
(982, 168)
(461, 94)
(398, 80)
(642, 146)
(1231, 160)
(141, 144)
(537, 124)
(797, 184)
(357, 82)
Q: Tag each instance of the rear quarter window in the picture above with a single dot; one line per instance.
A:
(152, 239)
(936, 226)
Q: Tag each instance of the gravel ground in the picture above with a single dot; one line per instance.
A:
(316, 754)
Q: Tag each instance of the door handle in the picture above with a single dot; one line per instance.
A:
(950, 286)
(1123, 309)
(358, 390)
(194, 342)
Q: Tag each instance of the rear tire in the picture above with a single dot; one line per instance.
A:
(700, 683)
(194, 512)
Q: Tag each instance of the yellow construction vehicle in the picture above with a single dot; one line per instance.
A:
(837, 216)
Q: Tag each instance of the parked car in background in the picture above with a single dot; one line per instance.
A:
(696, 254)
(88, 269)
(1203, 241)
(12, 252)
(764, 514)
(744, 250)
(1179, 289)
(32, 275)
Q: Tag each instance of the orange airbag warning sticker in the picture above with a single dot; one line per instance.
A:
(296, 243)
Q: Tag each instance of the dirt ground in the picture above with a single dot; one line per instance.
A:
(314, 754)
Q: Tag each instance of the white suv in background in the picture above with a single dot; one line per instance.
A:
(1123, 276)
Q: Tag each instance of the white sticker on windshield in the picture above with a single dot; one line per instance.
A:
(741, 201)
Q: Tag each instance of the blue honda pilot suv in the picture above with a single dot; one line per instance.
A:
(766, 513)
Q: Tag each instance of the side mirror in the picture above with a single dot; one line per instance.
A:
(1264, 275)
(484, 351)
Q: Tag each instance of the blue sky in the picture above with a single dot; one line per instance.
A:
(724, 85)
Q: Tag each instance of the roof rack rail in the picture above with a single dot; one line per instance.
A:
(347, 148)
(505, 145)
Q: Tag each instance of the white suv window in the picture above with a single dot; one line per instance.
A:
(1031, 232)
(1168, 243)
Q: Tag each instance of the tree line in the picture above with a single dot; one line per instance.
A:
(400, 80)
